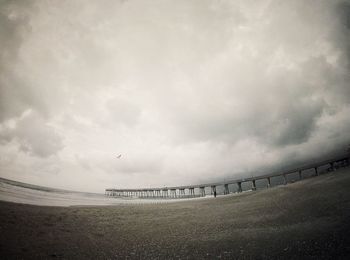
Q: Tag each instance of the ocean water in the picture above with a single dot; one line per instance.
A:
(18, 192)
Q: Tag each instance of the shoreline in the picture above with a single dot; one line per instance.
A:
(307, 219)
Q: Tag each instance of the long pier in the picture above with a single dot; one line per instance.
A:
(180, 191)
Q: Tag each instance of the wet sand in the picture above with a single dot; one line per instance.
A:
(307, 219)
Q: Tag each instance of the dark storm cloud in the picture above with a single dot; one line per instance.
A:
(343, 9)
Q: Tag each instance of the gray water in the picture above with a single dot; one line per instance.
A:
(18, 192)
(24, 193)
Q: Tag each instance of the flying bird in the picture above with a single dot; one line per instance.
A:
(119, 156)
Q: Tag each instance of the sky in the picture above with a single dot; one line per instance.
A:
(187, 91)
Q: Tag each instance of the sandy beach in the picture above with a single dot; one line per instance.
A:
(306, 219)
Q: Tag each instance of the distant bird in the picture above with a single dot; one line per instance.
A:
(119, 156)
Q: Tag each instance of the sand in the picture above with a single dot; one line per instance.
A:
(307, 219)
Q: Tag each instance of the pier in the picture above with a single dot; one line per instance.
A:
(199, 190)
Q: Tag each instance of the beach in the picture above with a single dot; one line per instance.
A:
(306, 219)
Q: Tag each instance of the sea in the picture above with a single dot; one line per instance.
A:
(19, 192)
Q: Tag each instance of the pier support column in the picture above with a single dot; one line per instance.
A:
(191, 191)
(268, 182)
(300, 175)
(239, 186)
(202, 189)
(226, 190)
(284, 179)
(253, 185)
(182, 193)
(316, 171)
(213, 189)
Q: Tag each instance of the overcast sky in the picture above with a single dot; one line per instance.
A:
(186, 91)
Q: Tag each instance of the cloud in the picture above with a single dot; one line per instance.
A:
(32, 134)
(186, 91)
(13, 25)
